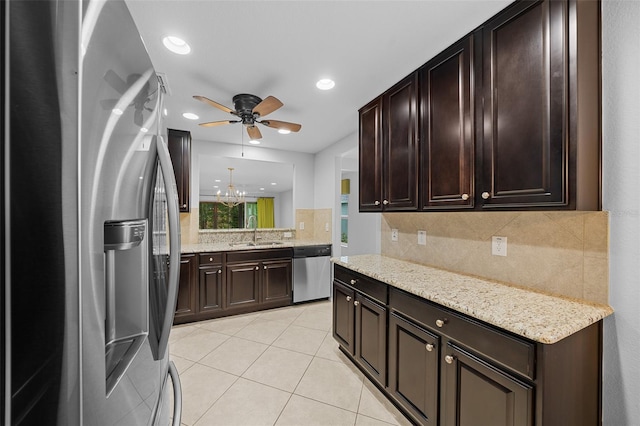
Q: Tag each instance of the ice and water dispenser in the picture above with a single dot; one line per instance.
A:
(126, 294)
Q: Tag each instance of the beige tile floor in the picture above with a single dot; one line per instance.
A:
(276, 367)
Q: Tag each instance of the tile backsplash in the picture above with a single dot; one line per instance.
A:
(317, 224)
(564, 253)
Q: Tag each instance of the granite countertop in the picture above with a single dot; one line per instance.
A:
(226, 246)
(535, 315)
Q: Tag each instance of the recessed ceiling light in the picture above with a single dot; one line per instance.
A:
(176, 45)
(273, 183)
(254, 142)
(217, 180)
(190, 116)
(325, 84)
(261, 189)
(284, 131)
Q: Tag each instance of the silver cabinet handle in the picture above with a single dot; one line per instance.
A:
(356, 303)
(211, 259)
(486, 195)
(448, 359)
(385, 202)
(429, 347)
(377, 203)
(219, 271)
(348, 298)
(440, 322)
(264, 267)
(257, 267)
(353, 282)
(465, 197)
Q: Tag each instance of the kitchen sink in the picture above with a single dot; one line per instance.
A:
(258, 244)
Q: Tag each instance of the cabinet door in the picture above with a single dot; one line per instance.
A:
(187, 305)
(477, 393)
(211, 285)
(179, 144)
(525, 146)
(370, 156)
(243, 285)
(343, 316)
(400, 142)
(413, 369)
(447, 129)
(371, 337)
(276, 281)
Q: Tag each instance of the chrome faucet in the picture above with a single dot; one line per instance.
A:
(255, 227)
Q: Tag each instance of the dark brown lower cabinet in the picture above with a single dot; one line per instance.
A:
(186, 305)
(360, 325)
(220, 284)
(441, 367)
(413, 368)
(477, 393)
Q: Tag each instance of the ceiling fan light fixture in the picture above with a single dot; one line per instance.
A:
(325, 84)
(254, 142)
(190, 116)
(176, 45)
(284, 131)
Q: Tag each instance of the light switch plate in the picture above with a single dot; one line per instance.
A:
(422, 238)
(301, 225)
(394, 235)
(499, 246)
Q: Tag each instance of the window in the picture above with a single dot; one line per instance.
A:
(215, 215)
(344, 212)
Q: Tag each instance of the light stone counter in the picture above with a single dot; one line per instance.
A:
(537, 316)
(226, 246)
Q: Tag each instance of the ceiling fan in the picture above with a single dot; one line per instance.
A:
(249, 109)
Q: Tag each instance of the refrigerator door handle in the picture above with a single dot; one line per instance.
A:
(174, 243)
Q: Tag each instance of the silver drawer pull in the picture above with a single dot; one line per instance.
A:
(448, 359)
(219, 271)
(356, 303)
(429, 347)
(353, 282)
(440, 322)
(348, 298)
(211, 259)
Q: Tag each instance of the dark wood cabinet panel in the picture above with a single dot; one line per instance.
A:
(475, 392)
(388, 143)
(344, 316)
(179, 144)
(277, 281)
(400, 142)
(211, 283)
(413, 369)
(370, 156)
(447, 129)
(186, 305)
(243, 285)
(371, 337)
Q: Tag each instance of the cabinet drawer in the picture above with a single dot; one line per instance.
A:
(210, 258)
(509, 351)
(363, 284)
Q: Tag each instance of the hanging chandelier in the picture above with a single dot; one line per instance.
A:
(232, 197)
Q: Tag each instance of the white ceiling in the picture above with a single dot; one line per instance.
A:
(281, 48)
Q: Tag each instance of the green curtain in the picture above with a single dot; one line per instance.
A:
(265, 213)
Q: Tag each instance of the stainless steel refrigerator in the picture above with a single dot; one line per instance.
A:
(90, 222)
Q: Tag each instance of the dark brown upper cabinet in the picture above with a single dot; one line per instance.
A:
(389, 149)
(447, 129)
(540, 79)
(179, 145)
(509, 119)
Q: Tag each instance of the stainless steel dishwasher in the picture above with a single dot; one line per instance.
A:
(311, 272)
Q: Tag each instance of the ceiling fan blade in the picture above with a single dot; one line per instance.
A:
(267, 106)
(115, 81)
(254, 132)
(276, 124)
(214, 104)
(218, 123)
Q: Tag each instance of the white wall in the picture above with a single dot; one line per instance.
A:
(285, 210)
(621, 182)
(303, 176)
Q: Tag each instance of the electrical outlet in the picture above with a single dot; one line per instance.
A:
(394, 235)
(422, 238)
(287, 234)
(326, 227)
(301, 226)
(499, 246)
